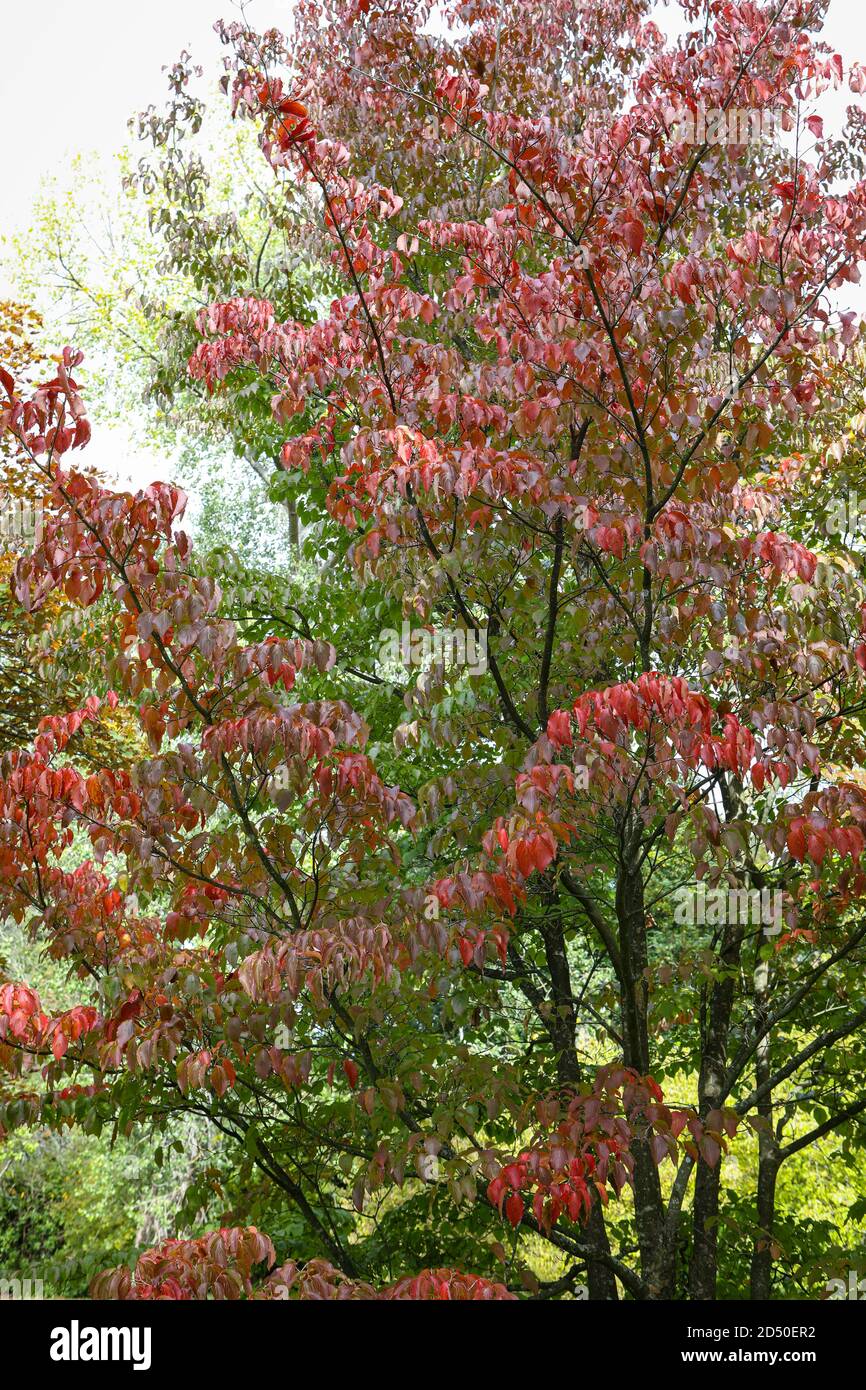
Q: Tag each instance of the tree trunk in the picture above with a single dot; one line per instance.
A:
(768, 1155)
(657, 1260)
(601, 1281)
(294, 530)
(714, 1056)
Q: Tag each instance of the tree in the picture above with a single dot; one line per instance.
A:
(32, 687)
(127, 257)
(592, 918)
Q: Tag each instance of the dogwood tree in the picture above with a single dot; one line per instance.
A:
(419, 936)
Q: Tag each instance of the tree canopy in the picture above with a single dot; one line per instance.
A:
(490, 876)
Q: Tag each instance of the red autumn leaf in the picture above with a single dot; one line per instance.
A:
(514, 1209)
(796, 840)
(633, 235)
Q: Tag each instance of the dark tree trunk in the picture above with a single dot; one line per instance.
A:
(768, 1156)
(601, 1281)
(762, 1256)
(657, 1261)
(715, 1028)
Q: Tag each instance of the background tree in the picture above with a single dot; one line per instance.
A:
(30, 687)
(124, 260)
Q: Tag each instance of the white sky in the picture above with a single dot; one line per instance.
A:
(74, 71)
